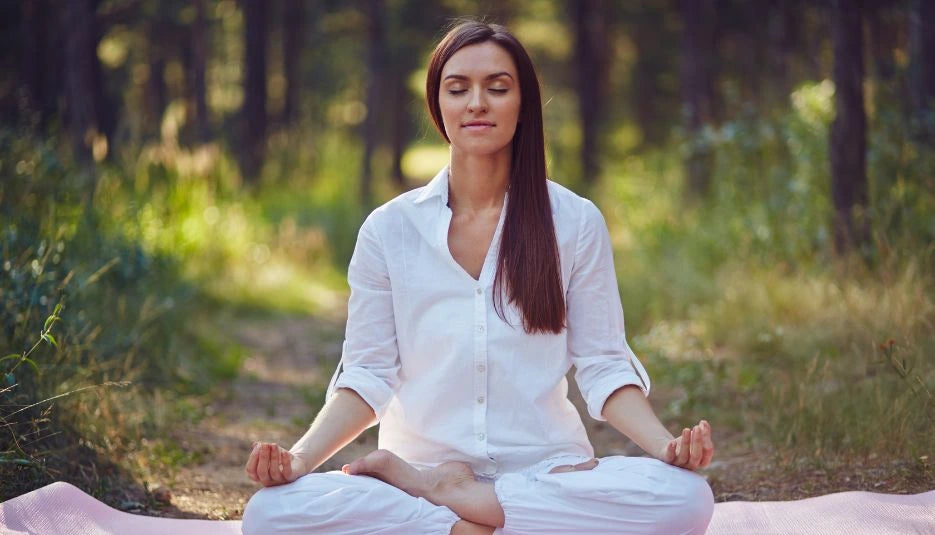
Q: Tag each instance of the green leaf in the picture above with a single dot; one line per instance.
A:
(50, 321)
(11, 356)
(32, 363)
(50, 339)
(58, 308)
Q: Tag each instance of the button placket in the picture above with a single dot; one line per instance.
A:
(480, 365)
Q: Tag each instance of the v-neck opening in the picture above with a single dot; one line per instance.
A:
(483, 277)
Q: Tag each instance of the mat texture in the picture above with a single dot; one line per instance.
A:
(63, 509)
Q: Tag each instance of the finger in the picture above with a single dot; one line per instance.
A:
(250, 469)
(586, 465)
(683, 447)
(262, 466)
(275, 470)
(696, 448)
(708, 445)
(561, 469)
(285, 459)
(671, 450)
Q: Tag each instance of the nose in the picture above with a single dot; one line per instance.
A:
(477, 103)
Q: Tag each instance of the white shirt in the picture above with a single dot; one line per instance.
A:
(447, 377)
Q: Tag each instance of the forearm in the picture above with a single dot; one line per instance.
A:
(343, 418)
(629, 412)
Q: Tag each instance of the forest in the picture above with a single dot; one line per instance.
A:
(182, 182)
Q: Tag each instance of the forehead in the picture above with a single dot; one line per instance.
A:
(479, 60)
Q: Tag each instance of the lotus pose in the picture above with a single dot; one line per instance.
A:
(471, 298)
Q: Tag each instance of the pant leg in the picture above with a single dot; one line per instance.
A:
(620, 495)
(338, 504)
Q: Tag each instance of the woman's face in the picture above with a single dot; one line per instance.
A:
(479, 99)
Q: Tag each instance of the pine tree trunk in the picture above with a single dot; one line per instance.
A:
(848, 138)
(254, 104)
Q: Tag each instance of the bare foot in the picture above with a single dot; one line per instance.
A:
(451, 484)
(387, 466)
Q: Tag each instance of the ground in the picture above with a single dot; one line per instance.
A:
(283, 380)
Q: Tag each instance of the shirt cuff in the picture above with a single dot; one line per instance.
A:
(598, 394)
(368, 386)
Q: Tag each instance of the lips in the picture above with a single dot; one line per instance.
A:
(478, 125)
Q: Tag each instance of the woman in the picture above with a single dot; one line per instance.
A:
(470, 300)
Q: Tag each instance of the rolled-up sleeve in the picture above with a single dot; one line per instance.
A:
(597, 340)
(370, 357)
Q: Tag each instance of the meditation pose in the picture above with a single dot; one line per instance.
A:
(471, 298)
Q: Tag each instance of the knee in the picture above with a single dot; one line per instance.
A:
(694, 505)
(260, 512)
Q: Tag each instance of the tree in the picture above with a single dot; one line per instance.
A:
(293, 23)
(80, 77)
(253, 114)
(591, 59)
(375, 74)
(848, 137)
(197, 88)
(922, 68)
(697, 74)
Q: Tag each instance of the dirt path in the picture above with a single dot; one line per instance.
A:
(290, 363)
(282, 381)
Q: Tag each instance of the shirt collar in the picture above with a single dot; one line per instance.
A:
(437, 187)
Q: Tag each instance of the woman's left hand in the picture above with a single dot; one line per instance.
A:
(691, 450)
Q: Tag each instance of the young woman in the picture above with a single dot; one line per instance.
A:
(471, 298)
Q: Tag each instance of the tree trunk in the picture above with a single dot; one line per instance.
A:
(41, 63)
(375, 68)
(848, 131)
(696, 69)
(80, 102)
(591, 61)
(254, 104)
(199, 63)
(293, 23)
(922, 69)
(156, 93)
(399, 125)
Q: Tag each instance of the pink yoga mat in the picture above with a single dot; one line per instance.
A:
(62, 509)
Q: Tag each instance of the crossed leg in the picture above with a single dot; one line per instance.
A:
(450, 484)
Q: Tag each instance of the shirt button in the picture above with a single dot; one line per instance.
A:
(480, 328)
(480, 436)
(479, 291)
(480, 399)
(481, 368)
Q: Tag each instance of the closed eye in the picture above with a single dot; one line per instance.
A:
(456, 91)
(500, 91)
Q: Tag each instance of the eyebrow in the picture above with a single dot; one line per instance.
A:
(488, 77)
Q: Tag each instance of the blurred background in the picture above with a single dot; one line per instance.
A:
(181, 185)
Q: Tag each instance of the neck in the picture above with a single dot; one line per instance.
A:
(477, 183)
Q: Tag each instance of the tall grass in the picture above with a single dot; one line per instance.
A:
(739, 302)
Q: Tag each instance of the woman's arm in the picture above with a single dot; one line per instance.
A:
(343, 418)
(628, 410)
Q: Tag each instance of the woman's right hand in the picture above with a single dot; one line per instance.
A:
(271, 465)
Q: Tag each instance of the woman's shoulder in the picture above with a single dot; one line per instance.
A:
(568, 206)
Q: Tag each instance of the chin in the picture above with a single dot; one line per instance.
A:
(481, 147)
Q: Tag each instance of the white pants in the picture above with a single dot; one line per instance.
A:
(620, 495)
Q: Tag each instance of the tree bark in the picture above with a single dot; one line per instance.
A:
(199, 64)
(848, 138)
(375, 70)
(696, 69)
(254, 104)
(591, 61)
(922, 69)
(293, 22)
(80, 102)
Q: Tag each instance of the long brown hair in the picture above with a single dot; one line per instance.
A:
(528, 264)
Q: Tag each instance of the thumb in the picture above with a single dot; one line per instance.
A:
(670, 452)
